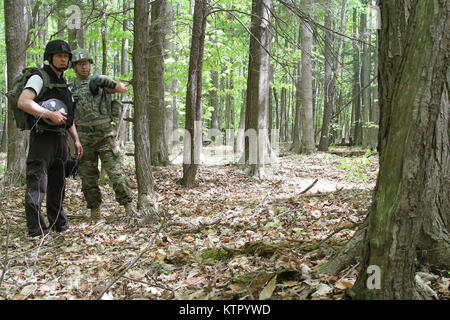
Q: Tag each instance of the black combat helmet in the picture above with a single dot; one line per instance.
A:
(53, 105)
(57, 46)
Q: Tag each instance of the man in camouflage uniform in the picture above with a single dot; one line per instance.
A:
(93, 114)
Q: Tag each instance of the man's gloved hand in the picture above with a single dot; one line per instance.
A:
(94, 85)
(100, 81)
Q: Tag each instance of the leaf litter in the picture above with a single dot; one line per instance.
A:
(229, 237)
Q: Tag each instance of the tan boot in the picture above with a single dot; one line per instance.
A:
(95, 214)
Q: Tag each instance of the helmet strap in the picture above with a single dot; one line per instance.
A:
(50, 61)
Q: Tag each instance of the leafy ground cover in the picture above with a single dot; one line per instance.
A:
(230, 237)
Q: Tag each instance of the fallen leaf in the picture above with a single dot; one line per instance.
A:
(172, 276)
(267, 292)
(291, 283)
(26, 292)
(236, 287)
(344, 284)
(322, 290)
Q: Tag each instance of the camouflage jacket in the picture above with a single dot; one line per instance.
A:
(92, 102)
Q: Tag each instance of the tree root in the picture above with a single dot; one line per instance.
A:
(347, 255)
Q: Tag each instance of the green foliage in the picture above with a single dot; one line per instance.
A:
(216, 254)
(356, 167)
(226, 48)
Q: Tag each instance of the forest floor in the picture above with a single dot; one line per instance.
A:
(230, 237)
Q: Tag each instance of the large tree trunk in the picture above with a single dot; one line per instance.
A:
(146, 196)
(308, 144)
(15, 36)
(193, 126)
(409, 216)
(256, 140)
(158, 142)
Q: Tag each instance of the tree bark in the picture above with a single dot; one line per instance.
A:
(104, 45)
(409, 216)
(297, 136)
(146, 197)
(124, 70)
(256, 139)
(356, 110)
(15, 36)
(193, 125)
(214, 99)
(375, 109)
(308, 144)
(328, 103)
(158, 142)
(172, 113)
(365, 81)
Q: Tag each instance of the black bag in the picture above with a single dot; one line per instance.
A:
(71, 167)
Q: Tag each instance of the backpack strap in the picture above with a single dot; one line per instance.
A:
(47, 85)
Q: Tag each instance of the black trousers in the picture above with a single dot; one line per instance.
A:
(47, 155)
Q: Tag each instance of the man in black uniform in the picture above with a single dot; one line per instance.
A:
(48, 149)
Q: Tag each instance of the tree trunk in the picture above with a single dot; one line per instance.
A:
(172, 113)
(328, 101)
(297, 137)
(229, 119)
(357, 123)
(256, 139)
(270, 111)
(214, 100)
(124, 70)
(283, 120)
(146, 197)
(193, 126)
(308, 144)
(365, 81)
(158, 142)
(104, 45)
(15, 36)
(410, 213)
(328, 119)
(374, 110)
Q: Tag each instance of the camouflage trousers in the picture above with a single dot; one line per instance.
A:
(100, 142)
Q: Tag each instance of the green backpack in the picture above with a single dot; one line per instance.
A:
(18, 85)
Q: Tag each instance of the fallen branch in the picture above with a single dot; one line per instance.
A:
(130, 264)
(186, 231)
(121, 274)
(5, 264)
(309, 188)
(352, 226)
(193, 229)
(151, 284)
